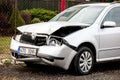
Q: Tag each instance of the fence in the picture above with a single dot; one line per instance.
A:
(46, 4)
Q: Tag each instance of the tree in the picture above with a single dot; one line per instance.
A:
(15, 19)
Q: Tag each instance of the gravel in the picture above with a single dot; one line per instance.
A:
(102, 71)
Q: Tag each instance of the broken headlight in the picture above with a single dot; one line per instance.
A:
(54, 41)
(17, 36)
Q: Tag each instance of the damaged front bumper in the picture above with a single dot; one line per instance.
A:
(53, 55)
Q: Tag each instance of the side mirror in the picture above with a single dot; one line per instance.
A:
(108, 24)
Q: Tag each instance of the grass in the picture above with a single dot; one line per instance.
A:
(5, 44)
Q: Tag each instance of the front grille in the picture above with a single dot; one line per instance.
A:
(38, 41)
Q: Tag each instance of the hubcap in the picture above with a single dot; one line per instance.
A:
(85, 61)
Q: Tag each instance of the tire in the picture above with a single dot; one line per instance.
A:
(83, 61)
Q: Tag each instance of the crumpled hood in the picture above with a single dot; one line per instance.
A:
(46, 27)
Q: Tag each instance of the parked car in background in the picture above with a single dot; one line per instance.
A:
(78, 37)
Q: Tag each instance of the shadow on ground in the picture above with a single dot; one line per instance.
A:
(101, 67)
(102, 71)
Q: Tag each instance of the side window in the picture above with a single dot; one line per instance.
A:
(113, 15)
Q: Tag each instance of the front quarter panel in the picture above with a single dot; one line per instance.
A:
(89, 34)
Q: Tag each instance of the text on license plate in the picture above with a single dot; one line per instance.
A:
(24, 50)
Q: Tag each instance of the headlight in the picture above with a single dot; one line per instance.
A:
(17, 36)
(53, 42)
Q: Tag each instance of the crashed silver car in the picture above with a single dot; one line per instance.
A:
(78, 37)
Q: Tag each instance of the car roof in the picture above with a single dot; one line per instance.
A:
(99, 4)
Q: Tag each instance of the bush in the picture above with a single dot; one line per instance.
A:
(43, 15)
(3, 20)
(6, 7)
(5, 12)
(35, 20)
(3, 24)
(15, 20)
(26, 16)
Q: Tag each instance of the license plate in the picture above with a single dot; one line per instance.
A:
(24, 50)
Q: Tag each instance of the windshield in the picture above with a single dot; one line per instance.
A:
(81, 14)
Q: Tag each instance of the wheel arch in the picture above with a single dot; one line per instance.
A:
(89, 45)
(85, 44)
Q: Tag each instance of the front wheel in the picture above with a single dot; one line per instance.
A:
(83, 61)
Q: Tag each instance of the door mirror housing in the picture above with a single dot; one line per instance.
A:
(108, 24)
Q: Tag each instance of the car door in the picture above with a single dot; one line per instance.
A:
(110, 37)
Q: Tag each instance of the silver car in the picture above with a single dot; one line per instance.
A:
(78, 37)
